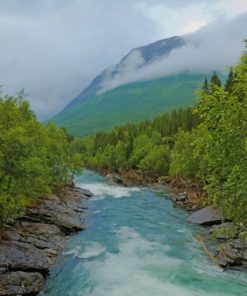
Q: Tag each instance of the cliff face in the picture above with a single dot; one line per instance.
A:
(29, 247)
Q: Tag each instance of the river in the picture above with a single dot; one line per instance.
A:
(136, 244)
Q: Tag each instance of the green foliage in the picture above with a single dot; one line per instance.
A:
(215, 81)
(221, 146)
(216, 151)
(205, 87)
(183, 161)
(33, 159)
(221, 143)
(230, 81)
(131, 103)
(156, 161)
(207, 145)
(145, 146)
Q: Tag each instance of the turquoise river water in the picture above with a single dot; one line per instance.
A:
(136, 244)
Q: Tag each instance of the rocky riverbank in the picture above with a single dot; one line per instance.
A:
(30, 246)
(225, 244)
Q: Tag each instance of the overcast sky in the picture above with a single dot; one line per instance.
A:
(53, 48)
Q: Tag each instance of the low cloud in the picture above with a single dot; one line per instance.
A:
(54, 48)
(217, 46)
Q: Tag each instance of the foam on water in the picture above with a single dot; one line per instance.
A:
(139, 268)
(92, 249)
(138, 246)
(101, 190)
(96, 212)
(74, 251)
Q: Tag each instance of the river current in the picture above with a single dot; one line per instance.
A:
(136, 244)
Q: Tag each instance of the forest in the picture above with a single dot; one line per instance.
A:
(34, 159)
(206, 144)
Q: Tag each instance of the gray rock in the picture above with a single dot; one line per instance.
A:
(21, 256)
(29, 248)
(232, 253)
(58, 213)
(10, 233)
(76, 203)
(3, 270)
(43, 236)
(224, 231)
(115, 178)
(174, 198)
(181, 197)
(20, 283)
(85, 192)
(239, 244)
(207, 216)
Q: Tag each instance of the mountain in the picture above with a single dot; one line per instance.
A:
(148, 52)
(108, 101)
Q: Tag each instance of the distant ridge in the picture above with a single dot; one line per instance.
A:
(93, 110)
(149, 52)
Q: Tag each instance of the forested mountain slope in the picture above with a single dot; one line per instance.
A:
(129, 103)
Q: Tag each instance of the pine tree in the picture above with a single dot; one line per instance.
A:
(230, 81)
(205, 87)
(215, 80)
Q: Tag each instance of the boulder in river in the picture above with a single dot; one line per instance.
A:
(115, 178)
(207, 216)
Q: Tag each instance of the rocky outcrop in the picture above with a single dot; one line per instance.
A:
(207, 216)
(226, 245)
(115, 178)
(21, 283)
(223, 231)
(29, 248)
(232, 253)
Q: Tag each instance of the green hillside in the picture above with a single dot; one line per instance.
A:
(130, 104)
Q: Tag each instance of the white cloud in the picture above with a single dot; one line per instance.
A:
(53, 48)
(193, 26)
(186, 16)
(175, 20)
(231, 8)
(214, 47)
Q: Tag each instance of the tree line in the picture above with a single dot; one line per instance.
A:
(145, 146)
(206, 144)
(34, 159)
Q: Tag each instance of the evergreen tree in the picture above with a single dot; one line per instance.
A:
(144, 146)
(215, 81)
(205, 87)
(230, 81)
(207, 144)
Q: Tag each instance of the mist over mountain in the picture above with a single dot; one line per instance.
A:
(54, 48)
(199, 52)
(155, 78)
(135, 59)
(99, 108)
